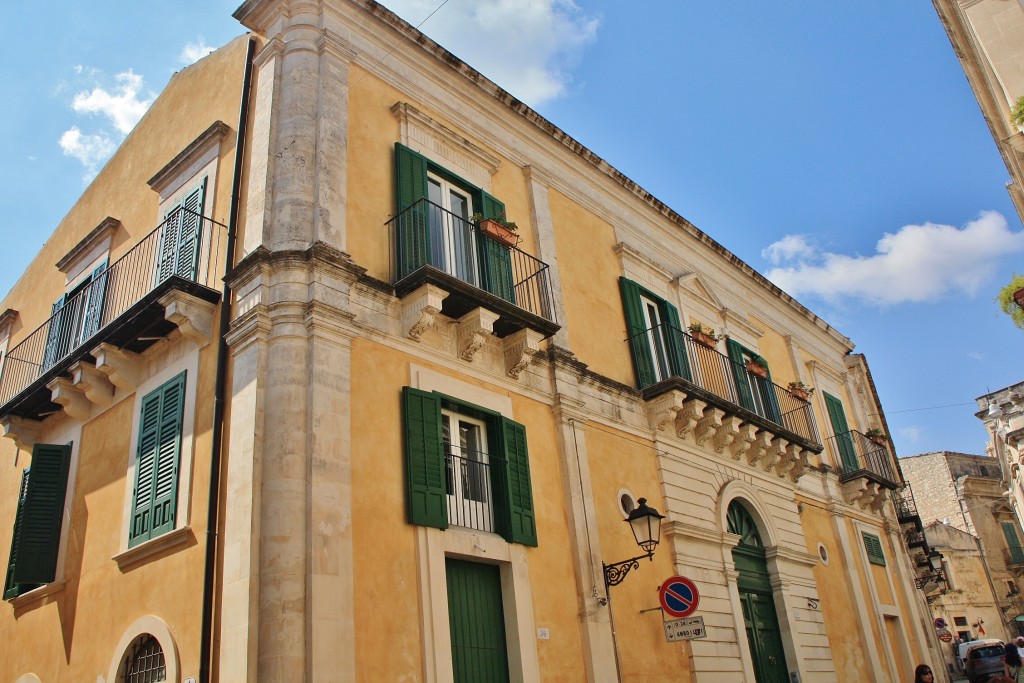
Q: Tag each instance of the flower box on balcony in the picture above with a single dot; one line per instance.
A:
(703, 339)
(876, 436)
(499, 232)
(800, 390)
(756, 368)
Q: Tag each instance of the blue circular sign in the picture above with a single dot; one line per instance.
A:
(940, 623)
(679, 597)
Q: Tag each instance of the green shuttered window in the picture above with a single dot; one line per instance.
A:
(37, 524)
(154, 502)
(844, 439)
(873, 547)
(654, 333)
(179, 242)
(426, 467)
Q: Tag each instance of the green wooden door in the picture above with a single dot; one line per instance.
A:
(762, 627)
(844, 440)
(477, 622)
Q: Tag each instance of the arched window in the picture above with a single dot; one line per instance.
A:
(144, 662)
(740, 522)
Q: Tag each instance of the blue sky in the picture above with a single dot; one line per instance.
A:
(835, 147)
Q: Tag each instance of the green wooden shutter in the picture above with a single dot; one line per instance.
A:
(739, 373)
(412, 224)
(1013, 542)
(56, 334)
(154, 506)
(522, 525)
(675, 342)
(873, 547)
(39, 530)
(92, 318)
(477, 622)
(636, 332)
(191, 228)
(11, 587)
(844, 440)
(771, 401)
(491, 207)
(496, 258)
(425, 468)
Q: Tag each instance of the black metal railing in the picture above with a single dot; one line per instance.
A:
(675, 354)
(186, 245)
(425, 234)
(903, 501)
(857, 454)
(1013, 556)
(470, 490)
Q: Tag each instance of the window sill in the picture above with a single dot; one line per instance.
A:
(37, 594)
(132, 557)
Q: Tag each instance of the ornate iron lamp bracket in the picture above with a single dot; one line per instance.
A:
(616, 572)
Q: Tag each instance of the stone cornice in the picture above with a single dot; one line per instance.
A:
(107, 227)
(207, 139)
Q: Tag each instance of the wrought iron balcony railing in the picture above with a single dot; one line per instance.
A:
(471, 490)
(184, 251)
(859, 456)
(431, 244)
(903, 500)
(724, 382)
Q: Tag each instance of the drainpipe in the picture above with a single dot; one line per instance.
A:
(213, 509)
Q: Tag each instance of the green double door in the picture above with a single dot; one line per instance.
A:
(479, 654)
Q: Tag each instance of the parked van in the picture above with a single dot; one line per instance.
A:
(961, 650)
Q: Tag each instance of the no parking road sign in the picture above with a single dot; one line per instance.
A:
(679, 597)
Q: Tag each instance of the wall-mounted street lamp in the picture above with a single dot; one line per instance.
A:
(646, 525)
(933, 578)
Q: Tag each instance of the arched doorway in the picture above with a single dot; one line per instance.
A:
(760, 620)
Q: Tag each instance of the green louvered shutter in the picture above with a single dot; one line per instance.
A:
(522, 525)
(1013, 543)
(873, 547)
(425, 471)
(191, 228)
(92, 318)
(412, 225)
(11, 588)
(159, 450)
(57, 334)
(844, 440)
(495, 257)
(38, 538)
(739, 373)
(477, 622)
(636, 332)
(771, 401)
(675, 342)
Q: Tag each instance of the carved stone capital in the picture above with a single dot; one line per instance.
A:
(24, 433)
(474, 329)
(93, 383)
(520, 348)
(420, 309)
(193, 316)
(662, 411)
(68, 397)
(123, 368)
(686, 419)
(708, 425)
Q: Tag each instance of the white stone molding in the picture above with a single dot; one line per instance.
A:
(420, 309)
(123, 368)
(759, 448)
(727, 433)
(708, 425)
(156, 627)
(663, 410)
(643, 269)
(24, 433)
(68, 397)
(745, 437)
(686, 419)
(520, 349)
(435, 140)
(193, 316)
(93, 383)
(475, 328)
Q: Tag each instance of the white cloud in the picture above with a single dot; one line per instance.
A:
(193, 52)
(912, 434)
(917, 263)
(90, 150)
(121, 105)
(528, 47)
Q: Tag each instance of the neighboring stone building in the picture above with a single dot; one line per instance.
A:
(290, 408)
(988, 38)
(968, 493)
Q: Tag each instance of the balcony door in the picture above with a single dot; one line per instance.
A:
(844, 439)
(655, 337)
(468, 471)
(451, 233)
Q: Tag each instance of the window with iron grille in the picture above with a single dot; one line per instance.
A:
(144, 662)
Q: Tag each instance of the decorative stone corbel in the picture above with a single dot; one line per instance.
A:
(800, 466)
(68, 397)
(788, 461)
(474, 329)
(708, 425)
(420, 309)
(93, 383)
(775, 455)
(759, 448)
(727, 432)
(24, 433)
(123, 368)
(193, 316)
(520, 348)
(662, 411)
(686, 419)
(744, 440)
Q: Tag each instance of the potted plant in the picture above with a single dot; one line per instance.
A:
(704, 335)
(800, 390)
(1011, 300)
(757, 366)
(876, 435)
(1017, 112)
(499, 228)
